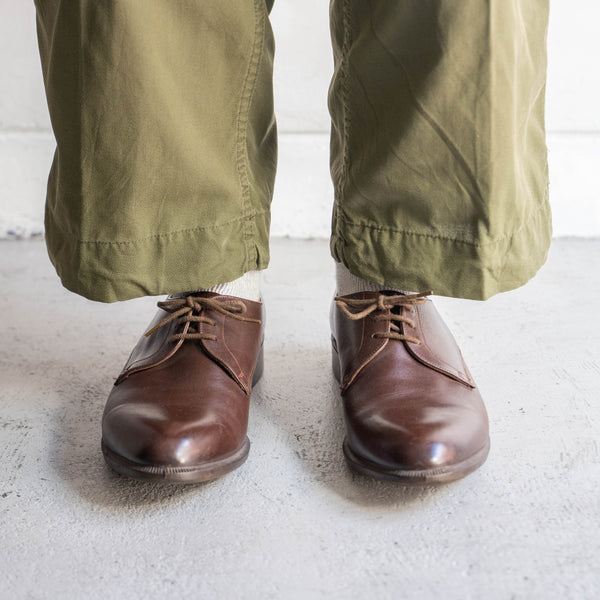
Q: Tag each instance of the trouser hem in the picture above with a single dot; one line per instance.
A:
(449, 267)
(107, 271)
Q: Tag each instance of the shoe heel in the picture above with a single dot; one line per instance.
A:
(258, 370)
(335, 361)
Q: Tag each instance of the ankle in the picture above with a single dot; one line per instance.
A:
(348, 283)
(247, 286)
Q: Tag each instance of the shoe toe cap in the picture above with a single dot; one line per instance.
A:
(436, 441)
(146, 436)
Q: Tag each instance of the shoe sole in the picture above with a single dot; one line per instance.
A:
(437, 475)
(445, 474)
(170, 474)
(201, 473)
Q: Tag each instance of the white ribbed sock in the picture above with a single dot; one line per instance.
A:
(247, 286)
(348, 283)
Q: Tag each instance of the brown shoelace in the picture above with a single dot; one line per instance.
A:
(189, 310)
(384, 304)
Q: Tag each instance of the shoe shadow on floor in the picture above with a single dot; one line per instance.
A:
(77, 457)
(297, 395)
(300, 396)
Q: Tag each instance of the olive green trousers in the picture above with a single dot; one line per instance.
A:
(166, 142)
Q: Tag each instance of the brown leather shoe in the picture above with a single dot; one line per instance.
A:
(413, 413)
(178, 411)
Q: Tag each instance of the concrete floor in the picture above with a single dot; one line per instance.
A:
(293, 522)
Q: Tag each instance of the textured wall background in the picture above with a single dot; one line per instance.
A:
(303, 194)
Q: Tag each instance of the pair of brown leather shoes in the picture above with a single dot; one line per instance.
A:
(179, 410)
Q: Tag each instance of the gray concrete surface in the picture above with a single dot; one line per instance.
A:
(293, 522)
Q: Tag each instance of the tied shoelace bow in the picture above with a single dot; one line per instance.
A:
(384, 304)
(189, 310)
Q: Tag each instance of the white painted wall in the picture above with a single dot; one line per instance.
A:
(303, 193)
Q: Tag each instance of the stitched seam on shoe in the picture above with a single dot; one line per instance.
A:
(451, 372)
(351, 376)
(439, 362)
(543, 207)
(365, 363)
(240, 373)
(147, 362)
(362, 336)
(367, 360)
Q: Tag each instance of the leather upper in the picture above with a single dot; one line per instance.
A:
(407, 405)
(185, 402)
(236, 355)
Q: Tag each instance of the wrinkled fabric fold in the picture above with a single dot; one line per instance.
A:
(166, 142)
(438, 151)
